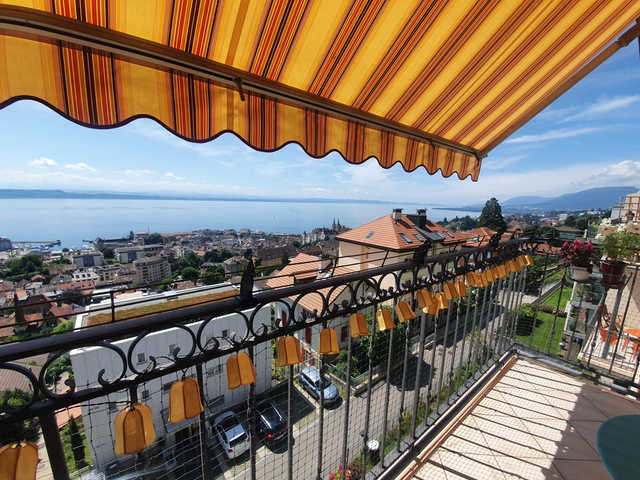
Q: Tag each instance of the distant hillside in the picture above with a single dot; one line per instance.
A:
(592, 199)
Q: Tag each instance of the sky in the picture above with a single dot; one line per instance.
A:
(590, 137)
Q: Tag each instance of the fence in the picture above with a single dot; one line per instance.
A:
(137, 361)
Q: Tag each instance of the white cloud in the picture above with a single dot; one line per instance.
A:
(169, 174)
(43, 163)
(604, 106)
(315, 190)
(497, 163)
(625, 173)
(80, 166)
(368, 174)
(554, 135)
(138, 173)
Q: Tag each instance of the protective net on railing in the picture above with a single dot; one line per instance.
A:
(407, 345)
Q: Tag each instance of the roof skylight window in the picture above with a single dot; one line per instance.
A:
(369, 235)
(449, 234)
(439, 234)
(419, 237)
(405, 238)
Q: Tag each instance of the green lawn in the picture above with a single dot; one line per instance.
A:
(553, 299)
(545, 324)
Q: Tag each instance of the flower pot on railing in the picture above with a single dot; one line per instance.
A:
(580, 274)
(613, 272)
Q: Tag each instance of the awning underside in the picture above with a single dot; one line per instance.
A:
(434, 84)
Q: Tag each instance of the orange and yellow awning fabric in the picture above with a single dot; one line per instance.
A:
(435, 84)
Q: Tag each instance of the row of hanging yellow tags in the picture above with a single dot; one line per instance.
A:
(136, 424)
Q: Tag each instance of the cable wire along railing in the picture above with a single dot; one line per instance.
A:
(240, 387)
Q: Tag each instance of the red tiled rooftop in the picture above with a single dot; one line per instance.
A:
(386, 233)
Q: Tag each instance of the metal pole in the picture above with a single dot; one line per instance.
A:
(464, 339)
(471, 362)
(290, 420)
(321, 417)
(416, 396)
(455, 347)
(555, 318)
(252, 419)
(612, 323)
(624, 317)
(523, 282)
(386, 396)
(203, 433)
(444, 355)
(487, 320)
(432, 366)
(365, 438)
(407, 338)
(493, 306)
(113, 308)
(535, 315)
(55, 451)
(347, 395)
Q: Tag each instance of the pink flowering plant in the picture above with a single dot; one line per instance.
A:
(580, 254)
(338, 475)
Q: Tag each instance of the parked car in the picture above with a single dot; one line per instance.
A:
(270, 423)
(310, 380)
(233, 438)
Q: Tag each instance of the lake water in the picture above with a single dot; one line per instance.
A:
(72, 221)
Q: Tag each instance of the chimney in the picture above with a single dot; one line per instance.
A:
(397, 214)
(419, 218)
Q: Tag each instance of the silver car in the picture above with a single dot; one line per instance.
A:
(233, 438)
(310, 380)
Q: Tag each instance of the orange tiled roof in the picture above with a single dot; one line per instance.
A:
(387, 233)
(305, 267)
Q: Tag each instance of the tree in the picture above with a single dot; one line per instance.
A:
(153, 239)
(570, 221)
(285, 258)
(189, 273)
(107, 253)
(77, 445)
(582, 224)
(247, 253)
(491, 216)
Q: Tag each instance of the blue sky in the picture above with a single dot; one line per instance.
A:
(590, 137)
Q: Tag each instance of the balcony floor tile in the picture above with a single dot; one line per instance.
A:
(536, 423)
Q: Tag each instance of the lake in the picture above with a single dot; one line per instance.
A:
(72, 221)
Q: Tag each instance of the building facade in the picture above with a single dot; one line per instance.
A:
(151, 270)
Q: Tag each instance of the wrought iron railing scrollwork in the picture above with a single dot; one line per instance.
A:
(361, 290)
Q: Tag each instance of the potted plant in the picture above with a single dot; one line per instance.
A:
(582, 256)
(620, 245)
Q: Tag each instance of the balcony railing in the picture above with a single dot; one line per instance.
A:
(409, 376)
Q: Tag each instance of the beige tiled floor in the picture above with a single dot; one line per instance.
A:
(535, 424)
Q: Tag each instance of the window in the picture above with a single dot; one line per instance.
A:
(307, 335)
(343, 334)
(145, 395)
(369, 235)
(172, 347)
(449, 234)
(142, 358)
(225, 333)
(405, 238)
(284, 317)
(419, 237)
(215, 370)
(166, 387)
(112, 406)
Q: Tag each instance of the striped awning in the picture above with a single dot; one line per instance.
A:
(433, 83)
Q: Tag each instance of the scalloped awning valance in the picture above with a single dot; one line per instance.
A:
(435, 83)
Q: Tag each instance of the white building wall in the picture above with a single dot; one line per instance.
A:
(99, 415)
